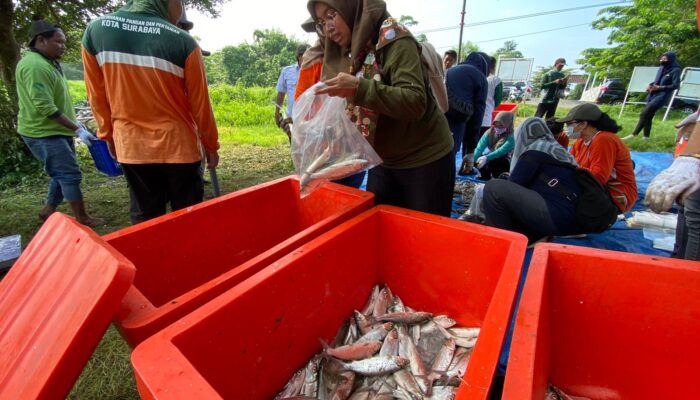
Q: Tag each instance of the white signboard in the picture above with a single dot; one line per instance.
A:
(690, 84)
(514, 69)
(641, 78)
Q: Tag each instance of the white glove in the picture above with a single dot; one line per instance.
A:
(673, 184)
(84, 135)
(481, 161)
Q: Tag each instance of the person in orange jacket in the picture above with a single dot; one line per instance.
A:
(148, 91)
(598, 149)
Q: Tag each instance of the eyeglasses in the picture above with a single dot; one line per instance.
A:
(328, 19)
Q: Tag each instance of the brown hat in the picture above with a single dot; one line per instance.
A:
(560, 60)
(309, 25)
(582, 112)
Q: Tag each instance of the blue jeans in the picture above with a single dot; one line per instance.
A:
(353, 181)
(57, 154)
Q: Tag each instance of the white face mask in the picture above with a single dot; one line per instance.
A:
(571, 133)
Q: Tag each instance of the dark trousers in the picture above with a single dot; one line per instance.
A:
(688, 229)
(646, 118)
(152, 186)
(510, 206)
(494, 168)
(427, 188)
(547, 110)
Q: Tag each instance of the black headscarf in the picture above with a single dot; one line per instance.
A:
(665, 69)
(479, 61)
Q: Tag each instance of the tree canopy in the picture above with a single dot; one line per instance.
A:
(509, 50)
(641, 32)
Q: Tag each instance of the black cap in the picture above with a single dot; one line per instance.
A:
(183, 23)
(41, 26)
(582, 112)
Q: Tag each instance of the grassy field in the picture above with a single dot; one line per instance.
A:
(253, 151)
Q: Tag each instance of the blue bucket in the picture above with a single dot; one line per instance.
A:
(103, 161)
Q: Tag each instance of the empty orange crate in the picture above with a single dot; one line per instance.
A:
(512, 107)
(190, 256)
(606, 325)
(248, 342)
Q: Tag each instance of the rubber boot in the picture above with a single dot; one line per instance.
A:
(467, 167)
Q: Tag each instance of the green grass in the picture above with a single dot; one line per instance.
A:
(663, 134)
(253, 151)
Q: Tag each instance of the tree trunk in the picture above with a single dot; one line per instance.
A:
(9, 49)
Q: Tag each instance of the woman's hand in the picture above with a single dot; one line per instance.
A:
(344, 85)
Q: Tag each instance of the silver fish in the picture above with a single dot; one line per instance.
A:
(352, 335)
(442, 361)
(354, 351)
(464, 332)
(408, 350)
(443, 393)
(340, 169)
(405, 317)
(398, 305)
(378, 332)
(343, 390)
(444, 321)
(369, 307)
(406, 383)
(383, 301)
(293, 387)
(364, 322)
(376, 365)
(390, 347)
(431, 339)
(310, 387)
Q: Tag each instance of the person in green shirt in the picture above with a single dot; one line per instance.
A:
(552, 83)
(46, 120)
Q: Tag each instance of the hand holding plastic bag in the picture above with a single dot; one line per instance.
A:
(326, 145)
(673, 184)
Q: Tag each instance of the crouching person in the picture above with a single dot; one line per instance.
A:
(533, 201)
(493, 152)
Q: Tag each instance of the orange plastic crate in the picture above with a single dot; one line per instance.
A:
(57, 302)
(248, 342)
(190, 256)
(606, 325)
(512, 107)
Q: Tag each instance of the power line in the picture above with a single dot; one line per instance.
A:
(524, 34)
(494, 21)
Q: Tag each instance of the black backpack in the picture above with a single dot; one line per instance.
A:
(595, 210)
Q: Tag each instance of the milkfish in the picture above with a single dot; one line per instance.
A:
(387, 350)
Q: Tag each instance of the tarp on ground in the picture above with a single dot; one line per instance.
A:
(619, 237)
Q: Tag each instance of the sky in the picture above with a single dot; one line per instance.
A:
(238, 21)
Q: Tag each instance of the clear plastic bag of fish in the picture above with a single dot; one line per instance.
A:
(326, 145)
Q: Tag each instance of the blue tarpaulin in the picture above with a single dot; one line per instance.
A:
(619, 237)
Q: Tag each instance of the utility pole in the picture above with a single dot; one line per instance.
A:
(461, 31)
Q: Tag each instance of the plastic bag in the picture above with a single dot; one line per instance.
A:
(326, 145)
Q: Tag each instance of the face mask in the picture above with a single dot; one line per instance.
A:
(499, 131)
(571, 133)
(664, 63)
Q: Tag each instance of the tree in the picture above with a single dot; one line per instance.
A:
(254, 64)
(509, 50)
(15, 19)
(640, 33)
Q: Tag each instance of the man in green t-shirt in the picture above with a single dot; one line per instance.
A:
(46, 120)
(553, 83)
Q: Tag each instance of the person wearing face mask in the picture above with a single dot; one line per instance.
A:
(527, 202)
(148, 92)
(375, 63)
(667, 80)
(493, 152)
(598, 149)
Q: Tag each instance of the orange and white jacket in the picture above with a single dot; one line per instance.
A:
(148, 90)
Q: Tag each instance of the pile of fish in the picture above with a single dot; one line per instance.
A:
(325, 167)
(387, 351)
(554, 393)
